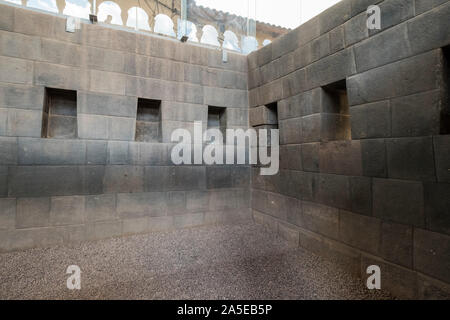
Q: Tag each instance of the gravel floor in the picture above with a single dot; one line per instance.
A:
(230, 262)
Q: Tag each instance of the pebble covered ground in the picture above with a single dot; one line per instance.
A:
(226, 262)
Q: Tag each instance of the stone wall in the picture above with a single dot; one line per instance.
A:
(381, 196)
(101, 182)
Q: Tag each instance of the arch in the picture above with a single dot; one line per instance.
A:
(77, 8)
(47, 5)
(249, 44)
(209, 36)
(266, 42)
(191, 30)
(231, 41)
(138, 19)
(164, 25)
(110, 8)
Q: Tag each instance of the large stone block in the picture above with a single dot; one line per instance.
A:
(361, 195)
(121, 128)
(341, 157)
(118, 152)
(7, 213)
(21, 97)
(51, 152)
(290, 157)
(374, 159)
(33, 23)
(360, 231)
(437, 204)
(276, 206)
(177, 111)
(391, 45)
(149, 154)
(107, 104)
(294, 212)
(432, 254)
(96, 152)
(92, 179)
(36, 181)
(107, 82)
(221, 97)
(356, 29)
(101, 207)
(320, 219)
(259, 200)
(103, 59)
(134, 226)
(3, 181)
(121, 179)
(32, 212)
(333, 190)
(399, 201)
(20, 46)
(61, 77)
(59, 52)
(337, 39)
(335, 16)
(371, 120)
(93, 126)
(291, 131)
(197, 201)
(411, 159)
(442, 157)
(16, 70)
(426, 29)
(397, 243)
(24, 123)
(331, 69)
(7, 18)
(394, 80)
(176, 202)
(8, 151)
(292, 84)
(134, 205)
(3, 121)
(320, 47)
(310, 157)
(67, 210)
(416, 115)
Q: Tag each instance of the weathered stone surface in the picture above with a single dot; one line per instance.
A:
(361, 195)
(15, 70)
(7, 213)
(356, 29)
(120, 179)
(8, 151)
(360, 231)
(333, 190)
(32, 212)
(397, 243)
(399, 201)
(33, 151)
(321, 219)
(442, 157)
(67, 210)
(411, 159)
(108, 105)
(371, 120)
(431, 254)
(341, 157)
(310, 157)
(437, 204)
(426, 29)
(101, 207)
(393, 80)
(374, 159)
(416, 115)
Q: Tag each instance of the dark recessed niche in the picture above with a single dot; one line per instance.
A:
(59, 118)
(148, 121)
(217, 118)
(445, 109)
(337, 110)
